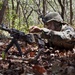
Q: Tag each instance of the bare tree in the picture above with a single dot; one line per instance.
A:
(71, 12)
(15, 11)
(44, 7)
(26, 12)
(2, 11)
(13, 21)
(62, 5)
(51, 5)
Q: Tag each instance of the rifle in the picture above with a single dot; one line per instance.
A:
(16, 34)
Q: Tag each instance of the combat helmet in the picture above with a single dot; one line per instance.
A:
(52, 16)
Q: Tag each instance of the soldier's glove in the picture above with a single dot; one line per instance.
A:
(46, 33)
(34, 29)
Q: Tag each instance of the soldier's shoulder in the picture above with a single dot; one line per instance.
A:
(67, 27)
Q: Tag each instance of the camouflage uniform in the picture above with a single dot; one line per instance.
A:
(61, 39)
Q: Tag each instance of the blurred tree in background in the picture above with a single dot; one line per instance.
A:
(21, 14)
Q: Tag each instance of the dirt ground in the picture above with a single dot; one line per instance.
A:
(48, 63)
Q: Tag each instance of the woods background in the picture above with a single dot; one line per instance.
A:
(21, 14)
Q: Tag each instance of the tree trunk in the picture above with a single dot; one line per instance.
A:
(2, 11)
(44, 7)
(62, 7)
(13, 14)
(71, 13)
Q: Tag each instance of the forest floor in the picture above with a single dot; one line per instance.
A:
(48, 63)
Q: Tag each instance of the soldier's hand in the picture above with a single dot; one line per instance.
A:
(34, 29)
(46, 30)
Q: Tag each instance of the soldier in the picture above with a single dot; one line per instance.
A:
(58, 33)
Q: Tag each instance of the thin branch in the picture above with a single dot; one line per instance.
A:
(51, 5)
(30, 13)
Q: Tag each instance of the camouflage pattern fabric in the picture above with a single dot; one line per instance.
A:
(63, 39)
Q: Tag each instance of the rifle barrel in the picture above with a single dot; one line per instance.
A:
(5, 29)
